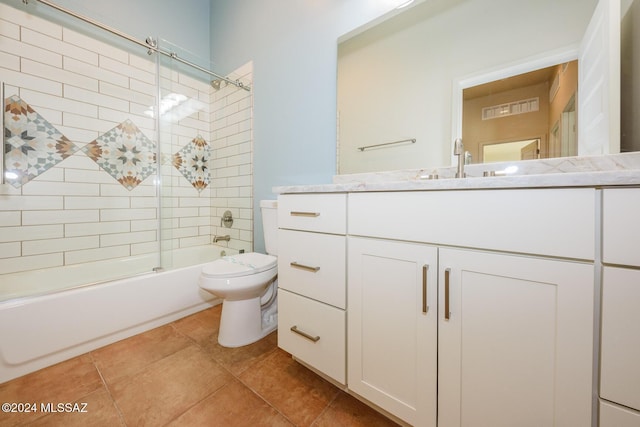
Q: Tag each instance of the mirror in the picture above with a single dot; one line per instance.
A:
(524, 117)
(403, 79)
(509, 151)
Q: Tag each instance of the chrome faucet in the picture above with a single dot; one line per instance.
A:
(226, 238)
(458, 150)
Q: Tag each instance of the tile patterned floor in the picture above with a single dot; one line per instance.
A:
(178, 375)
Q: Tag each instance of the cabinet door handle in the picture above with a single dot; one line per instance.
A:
(295, 329)
(447, 273)
(307, 214)
(425, 270)
(304, 267)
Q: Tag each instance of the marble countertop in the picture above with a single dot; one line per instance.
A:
(612, 170)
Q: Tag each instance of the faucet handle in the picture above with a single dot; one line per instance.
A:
(226, 219)
(468, 158)
(458, 150)
(458, 147)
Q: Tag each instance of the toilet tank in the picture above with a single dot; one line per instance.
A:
(269, 209)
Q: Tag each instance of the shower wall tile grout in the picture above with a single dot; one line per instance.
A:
(74, 212)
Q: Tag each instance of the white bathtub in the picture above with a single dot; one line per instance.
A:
(40, 331)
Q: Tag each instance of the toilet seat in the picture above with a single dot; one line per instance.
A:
(239, 265)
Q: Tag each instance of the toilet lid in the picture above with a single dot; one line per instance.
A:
(239, 265)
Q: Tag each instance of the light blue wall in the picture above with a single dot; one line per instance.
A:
(184, 23)
(293, 44)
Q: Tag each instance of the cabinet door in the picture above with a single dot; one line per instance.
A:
(515, 341)
(392, 327)
(620, 351)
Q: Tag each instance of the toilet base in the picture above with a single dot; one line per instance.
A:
(241, 323)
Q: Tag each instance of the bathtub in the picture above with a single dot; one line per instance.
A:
(39, 331)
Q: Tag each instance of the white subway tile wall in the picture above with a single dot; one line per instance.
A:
(74, 211)
(231, 119)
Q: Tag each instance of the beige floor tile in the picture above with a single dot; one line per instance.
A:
(347, 411)
(168, 387)
(65, 382)
(292, 389)
(100, 411)
(179, 374)
(237, 360)
(234, 405)
(202, 327)
(131, 355)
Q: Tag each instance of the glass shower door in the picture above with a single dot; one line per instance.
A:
(184, 123)
(78, 204)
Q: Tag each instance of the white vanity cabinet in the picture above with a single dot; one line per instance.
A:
(515, 305)
(392, 327)
(312, 281)
(620, 340)
(515, 340)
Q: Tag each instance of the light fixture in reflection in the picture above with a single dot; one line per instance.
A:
(10, 175)
(176, 106)
(404, 4)
(510, 170)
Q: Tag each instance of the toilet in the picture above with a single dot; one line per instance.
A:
(248, 286)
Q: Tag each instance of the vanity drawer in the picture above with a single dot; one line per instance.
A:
(313, 265)
(552, 222)
(326, 213)
(320, 340)
(616, 416)
(620, 341)
(621, 226)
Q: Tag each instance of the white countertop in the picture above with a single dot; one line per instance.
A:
(613, 170)
(577, 179)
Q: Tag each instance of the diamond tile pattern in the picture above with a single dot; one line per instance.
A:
(193, 163)
(125, 153)
(32, 145)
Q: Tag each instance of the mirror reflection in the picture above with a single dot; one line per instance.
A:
(399, 80)
(524, 117)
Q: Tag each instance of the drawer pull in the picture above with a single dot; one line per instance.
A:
(307, 214)
(425, 270)
(447, 273)
(304, 267)
(295, 329)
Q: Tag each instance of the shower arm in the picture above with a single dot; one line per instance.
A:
(149, 43)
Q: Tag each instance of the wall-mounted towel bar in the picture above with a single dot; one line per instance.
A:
(411, 140)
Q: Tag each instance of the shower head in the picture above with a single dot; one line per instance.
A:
(216, 83)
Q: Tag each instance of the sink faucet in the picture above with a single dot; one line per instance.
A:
(458, 150)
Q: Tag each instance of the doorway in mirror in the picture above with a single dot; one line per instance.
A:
(527, 116)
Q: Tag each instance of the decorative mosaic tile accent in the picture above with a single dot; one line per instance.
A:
(192, 161)
(125, 153)
(32, 145)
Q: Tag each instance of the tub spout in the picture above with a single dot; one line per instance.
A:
(217, 239)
